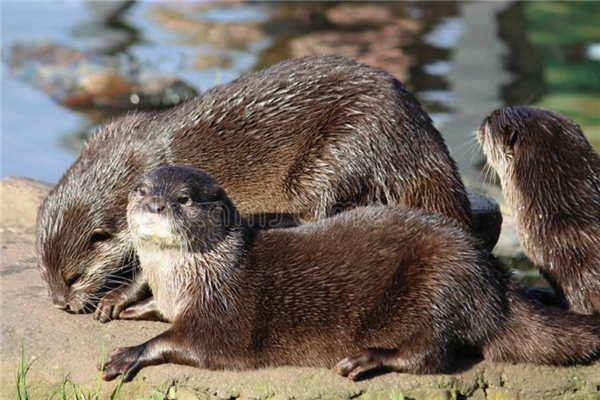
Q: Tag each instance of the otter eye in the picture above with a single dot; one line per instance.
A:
(73, 279)
(141, 190)
(185, 200)
(99, 235)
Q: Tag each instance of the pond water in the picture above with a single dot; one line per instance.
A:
(461, 59)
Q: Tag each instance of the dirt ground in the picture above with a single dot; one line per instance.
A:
(58, 344)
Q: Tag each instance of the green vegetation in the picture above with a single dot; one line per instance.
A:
(68, 390)
(156, 396)
(563, 32)
(563, 22)
(396, 395)
(21, 382)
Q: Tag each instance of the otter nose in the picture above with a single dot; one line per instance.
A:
(60, 301)
(155, 206)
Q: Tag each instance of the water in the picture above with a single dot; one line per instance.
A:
(463, 60)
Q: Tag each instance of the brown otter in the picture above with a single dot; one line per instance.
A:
(302, 138)
(375, 287)
(550, 176)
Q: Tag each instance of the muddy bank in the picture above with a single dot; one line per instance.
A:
(58, 343)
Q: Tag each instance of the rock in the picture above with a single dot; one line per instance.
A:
(379, 45)
(188, 20)
(59, 344)
(501, 394)
(85, 81)
(355, 14)
(20, 199)
(507, 245)
(380, 48)
(487, 218)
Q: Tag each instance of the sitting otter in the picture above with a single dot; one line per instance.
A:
(372, 288)
(550, 176)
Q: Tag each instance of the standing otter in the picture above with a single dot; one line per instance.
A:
(302, 138)
(550, 176)
(386, 287)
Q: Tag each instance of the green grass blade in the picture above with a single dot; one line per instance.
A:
(102, 364)
(62, 395)
(115, 394)
(21, 382)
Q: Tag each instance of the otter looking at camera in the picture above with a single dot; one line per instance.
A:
(550, 176)
(372, 288)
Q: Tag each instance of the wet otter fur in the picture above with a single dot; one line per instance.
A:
(550, 176)
(303, 138)
(377, 287)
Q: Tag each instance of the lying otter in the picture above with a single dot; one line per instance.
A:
(372, 288)
(550, 176)
(301, 139)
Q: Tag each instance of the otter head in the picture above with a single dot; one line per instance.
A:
(183, 208)
(522, 143)
(545, 164)
(83, 243)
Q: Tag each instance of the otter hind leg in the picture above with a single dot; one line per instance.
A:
(366, 361)
(409, 361)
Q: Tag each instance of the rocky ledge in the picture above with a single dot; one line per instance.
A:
(59, 345)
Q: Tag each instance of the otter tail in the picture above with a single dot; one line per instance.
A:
(544, 335)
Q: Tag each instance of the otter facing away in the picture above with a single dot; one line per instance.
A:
(377, 287)
(302, 138)
(550, 176)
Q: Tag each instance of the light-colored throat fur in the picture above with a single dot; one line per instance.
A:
(186, 277)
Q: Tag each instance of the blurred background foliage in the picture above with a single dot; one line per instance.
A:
(568, 37)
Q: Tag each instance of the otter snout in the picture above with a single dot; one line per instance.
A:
(155, 206)
(60, 300)
(151, 222)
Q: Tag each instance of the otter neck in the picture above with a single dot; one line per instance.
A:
(546, 211)
(183, 278)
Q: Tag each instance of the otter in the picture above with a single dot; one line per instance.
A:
(378, 287)
(303, 139)
(550, 176)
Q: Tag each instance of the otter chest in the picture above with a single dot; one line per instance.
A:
(169, 278)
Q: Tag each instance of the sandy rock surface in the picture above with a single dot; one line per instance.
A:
(58, 343)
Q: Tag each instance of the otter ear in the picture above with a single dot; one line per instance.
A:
(99, 235)
(511, 137)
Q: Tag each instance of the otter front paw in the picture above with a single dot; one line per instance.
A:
(111, 306)
(145, 310)
(122, 361)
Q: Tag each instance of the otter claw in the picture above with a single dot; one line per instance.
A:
(349, 367)
(105, 312)
(354, 367)
(123, 361)
(110, 307)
